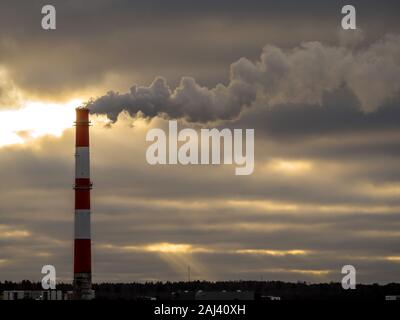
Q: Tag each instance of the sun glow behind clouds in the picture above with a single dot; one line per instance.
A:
(7, 232)
(35, 119)
(276, 253)
(291, 166)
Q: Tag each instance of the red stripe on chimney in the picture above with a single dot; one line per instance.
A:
(82, 256)
(82, 198)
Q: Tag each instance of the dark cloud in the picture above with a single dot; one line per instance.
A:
(340, 113)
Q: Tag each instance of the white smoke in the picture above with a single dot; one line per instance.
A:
(189, 101)
(298, 76)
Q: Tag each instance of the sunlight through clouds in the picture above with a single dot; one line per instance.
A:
(178, 256)
(6, 232)
(35, 119)
(290, 167)
(278, 253)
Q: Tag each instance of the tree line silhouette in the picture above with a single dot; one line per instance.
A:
(173, 290)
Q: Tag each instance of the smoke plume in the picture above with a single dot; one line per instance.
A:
(298, 76)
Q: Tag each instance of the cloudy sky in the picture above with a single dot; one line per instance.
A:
(324, 104)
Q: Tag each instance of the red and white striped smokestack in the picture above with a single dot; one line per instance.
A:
(82, 245)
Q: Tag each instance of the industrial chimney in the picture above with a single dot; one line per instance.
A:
(82, 245)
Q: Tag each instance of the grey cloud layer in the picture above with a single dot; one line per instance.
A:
(326, 211)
